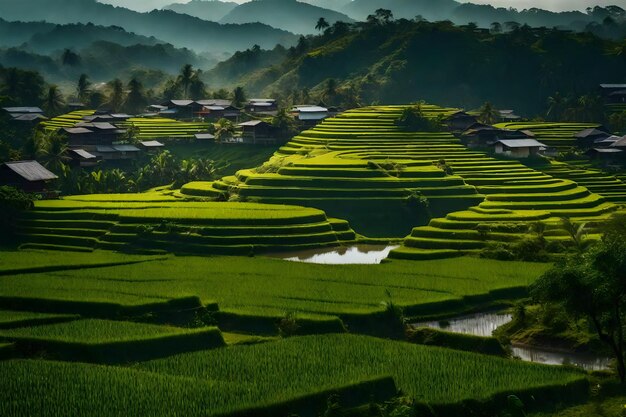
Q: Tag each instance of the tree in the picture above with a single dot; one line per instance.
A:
(593, 285)
(488, 113)
(197, 88)
(185, 78)
(53, 102)
(330, 91)
(285, 124)
(224, 129)
(556, 107)
(70, 58)
(54, 152)
(136, 100)
(496, 27)
(239, 97)
(83, 88)
(322, 24)
(512, 26)
(384, 15)
(117, 95)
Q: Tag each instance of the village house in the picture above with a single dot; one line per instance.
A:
(216, 112)
(257, 132)
(308, 115)
(586, 138)
(613, 93)
(460, 121)
(607, 156)
(519, 148)
(29, 176)
(507, 116)
(204, 136)
(151, 146)
(263, 106)
(82, 158)
(89, 135)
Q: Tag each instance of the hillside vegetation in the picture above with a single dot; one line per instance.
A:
(397, 61)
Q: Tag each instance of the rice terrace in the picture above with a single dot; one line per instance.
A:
(170, 246)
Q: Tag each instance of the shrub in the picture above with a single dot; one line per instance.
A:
(12, 203)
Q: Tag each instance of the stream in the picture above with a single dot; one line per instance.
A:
(484, 324)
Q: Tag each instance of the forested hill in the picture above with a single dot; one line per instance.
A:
(178, 29)
(45, 38)
(291, 15)
(402, 61)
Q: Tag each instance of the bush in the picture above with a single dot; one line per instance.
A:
(12, 203)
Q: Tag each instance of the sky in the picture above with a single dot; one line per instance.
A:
(557, 5)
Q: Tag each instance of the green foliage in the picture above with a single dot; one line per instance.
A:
(414, 120)
(12, 203)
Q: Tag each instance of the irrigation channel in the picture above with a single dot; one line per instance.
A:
(347, 255)
(484, 324)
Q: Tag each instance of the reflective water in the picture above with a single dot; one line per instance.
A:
(484, 324)
(350, 255)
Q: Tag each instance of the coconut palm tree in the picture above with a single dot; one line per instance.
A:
(239, 97)
(224, 129)
(556, 106)
(83, 88)
(136, 99)
(330, 91)
(53, 101)
(117, 95)
(488, 113)
(185, 78)
(54, 152)
(322, 24)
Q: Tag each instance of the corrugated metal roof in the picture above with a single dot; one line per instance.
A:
(31, 170)
(105, 149)
(521, 143)
(590, 132)
(83, 153)
(620, 143)
(252, 123)
(607, 150)
(28, 117)
(77, 130)
(152, 144)
(126, 148)
(204, 136)
(22, 109)
(311, 109)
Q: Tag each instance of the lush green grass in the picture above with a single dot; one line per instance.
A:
(12, 319)
(278, 370)
(260, 286)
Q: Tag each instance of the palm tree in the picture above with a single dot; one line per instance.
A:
(55, 152)
(197, 88)
(224, 129)
(53, 101)
(322, 24)
(330, 90)
(136, 100)
(117, 96)
(556, 106)
(239, 97)
(185, 78)
(488, 113)
(496, 27)
(284, 123)
(83, 88)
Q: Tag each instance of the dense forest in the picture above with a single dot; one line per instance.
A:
(390, 61)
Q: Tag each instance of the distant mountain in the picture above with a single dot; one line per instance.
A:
(290, 15)
(47, 38)
(178, 29)
(211, 10)
(103, 61)
(484, 15)
(336, 5)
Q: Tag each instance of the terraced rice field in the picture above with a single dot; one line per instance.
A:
(155, 222)
(152, 128)
(611, 187)
(558, 135)
(66, 120)
(362, 156)
(358, 165)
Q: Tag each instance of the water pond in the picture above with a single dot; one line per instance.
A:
(346, 255)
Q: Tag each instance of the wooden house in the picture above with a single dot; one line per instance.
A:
(82, 158)
(460, 121)
(88, 135)
(257, 132)
(613, 93)
(519, 148)
(586, 138)
(607, 156)
(265, 106)
(151, 146)
(29, 176)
